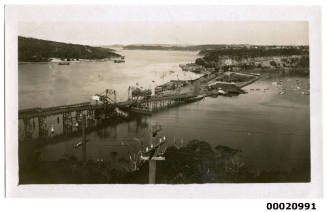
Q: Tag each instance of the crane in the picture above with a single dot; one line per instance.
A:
(108, 96)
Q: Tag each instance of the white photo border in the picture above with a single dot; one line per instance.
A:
(15, 14)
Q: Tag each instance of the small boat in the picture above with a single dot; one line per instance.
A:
(221, 92)
(119, 61)
(63, 63)
(79, 144)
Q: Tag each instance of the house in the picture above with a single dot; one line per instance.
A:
(55, 60)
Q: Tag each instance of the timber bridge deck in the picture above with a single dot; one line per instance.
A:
(35, 112)
(64, 120)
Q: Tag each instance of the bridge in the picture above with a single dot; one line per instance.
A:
(35, 112)
(39, 122)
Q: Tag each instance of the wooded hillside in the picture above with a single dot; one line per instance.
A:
(36, 50)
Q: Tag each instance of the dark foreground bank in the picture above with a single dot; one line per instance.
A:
(196, 162)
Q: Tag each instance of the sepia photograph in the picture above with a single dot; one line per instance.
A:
(170, 101)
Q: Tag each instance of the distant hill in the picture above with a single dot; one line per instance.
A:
(263, 51)
(225, 49)
(173, 47)
(113, 46)
(37, 50)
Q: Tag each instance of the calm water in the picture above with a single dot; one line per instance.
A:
(272, 130)
(50, 84)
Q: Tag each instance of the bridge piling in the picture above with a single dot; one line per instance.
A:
(66, 120)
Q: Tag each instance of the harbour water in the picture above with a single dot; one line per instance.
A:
(50, 84)
(271, 128)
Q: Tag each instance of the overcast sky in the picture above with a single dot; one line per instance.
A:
(276, 33)
(161, 25)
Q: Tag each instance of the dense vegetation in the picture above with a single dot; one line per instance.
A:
(240, 58)
(196, 162)
(238, 53)
(36, 50)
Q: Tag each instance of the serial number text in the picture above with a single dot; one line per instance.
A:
(291, 206)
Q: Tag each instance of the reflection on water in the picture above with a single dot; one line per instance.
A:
(272, 130)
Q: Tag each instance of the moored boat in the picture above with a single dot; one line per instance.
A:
(63, 63)
(119, 61)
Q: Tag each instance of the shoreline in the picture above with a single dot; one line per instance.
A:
(81, 61)
(249, 82)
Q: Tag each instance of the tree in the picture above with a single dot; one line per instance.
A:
(273, 63)
(200, 61)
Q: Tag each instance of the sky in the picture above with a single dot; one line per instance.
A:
(184, 33)
(98, 26)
